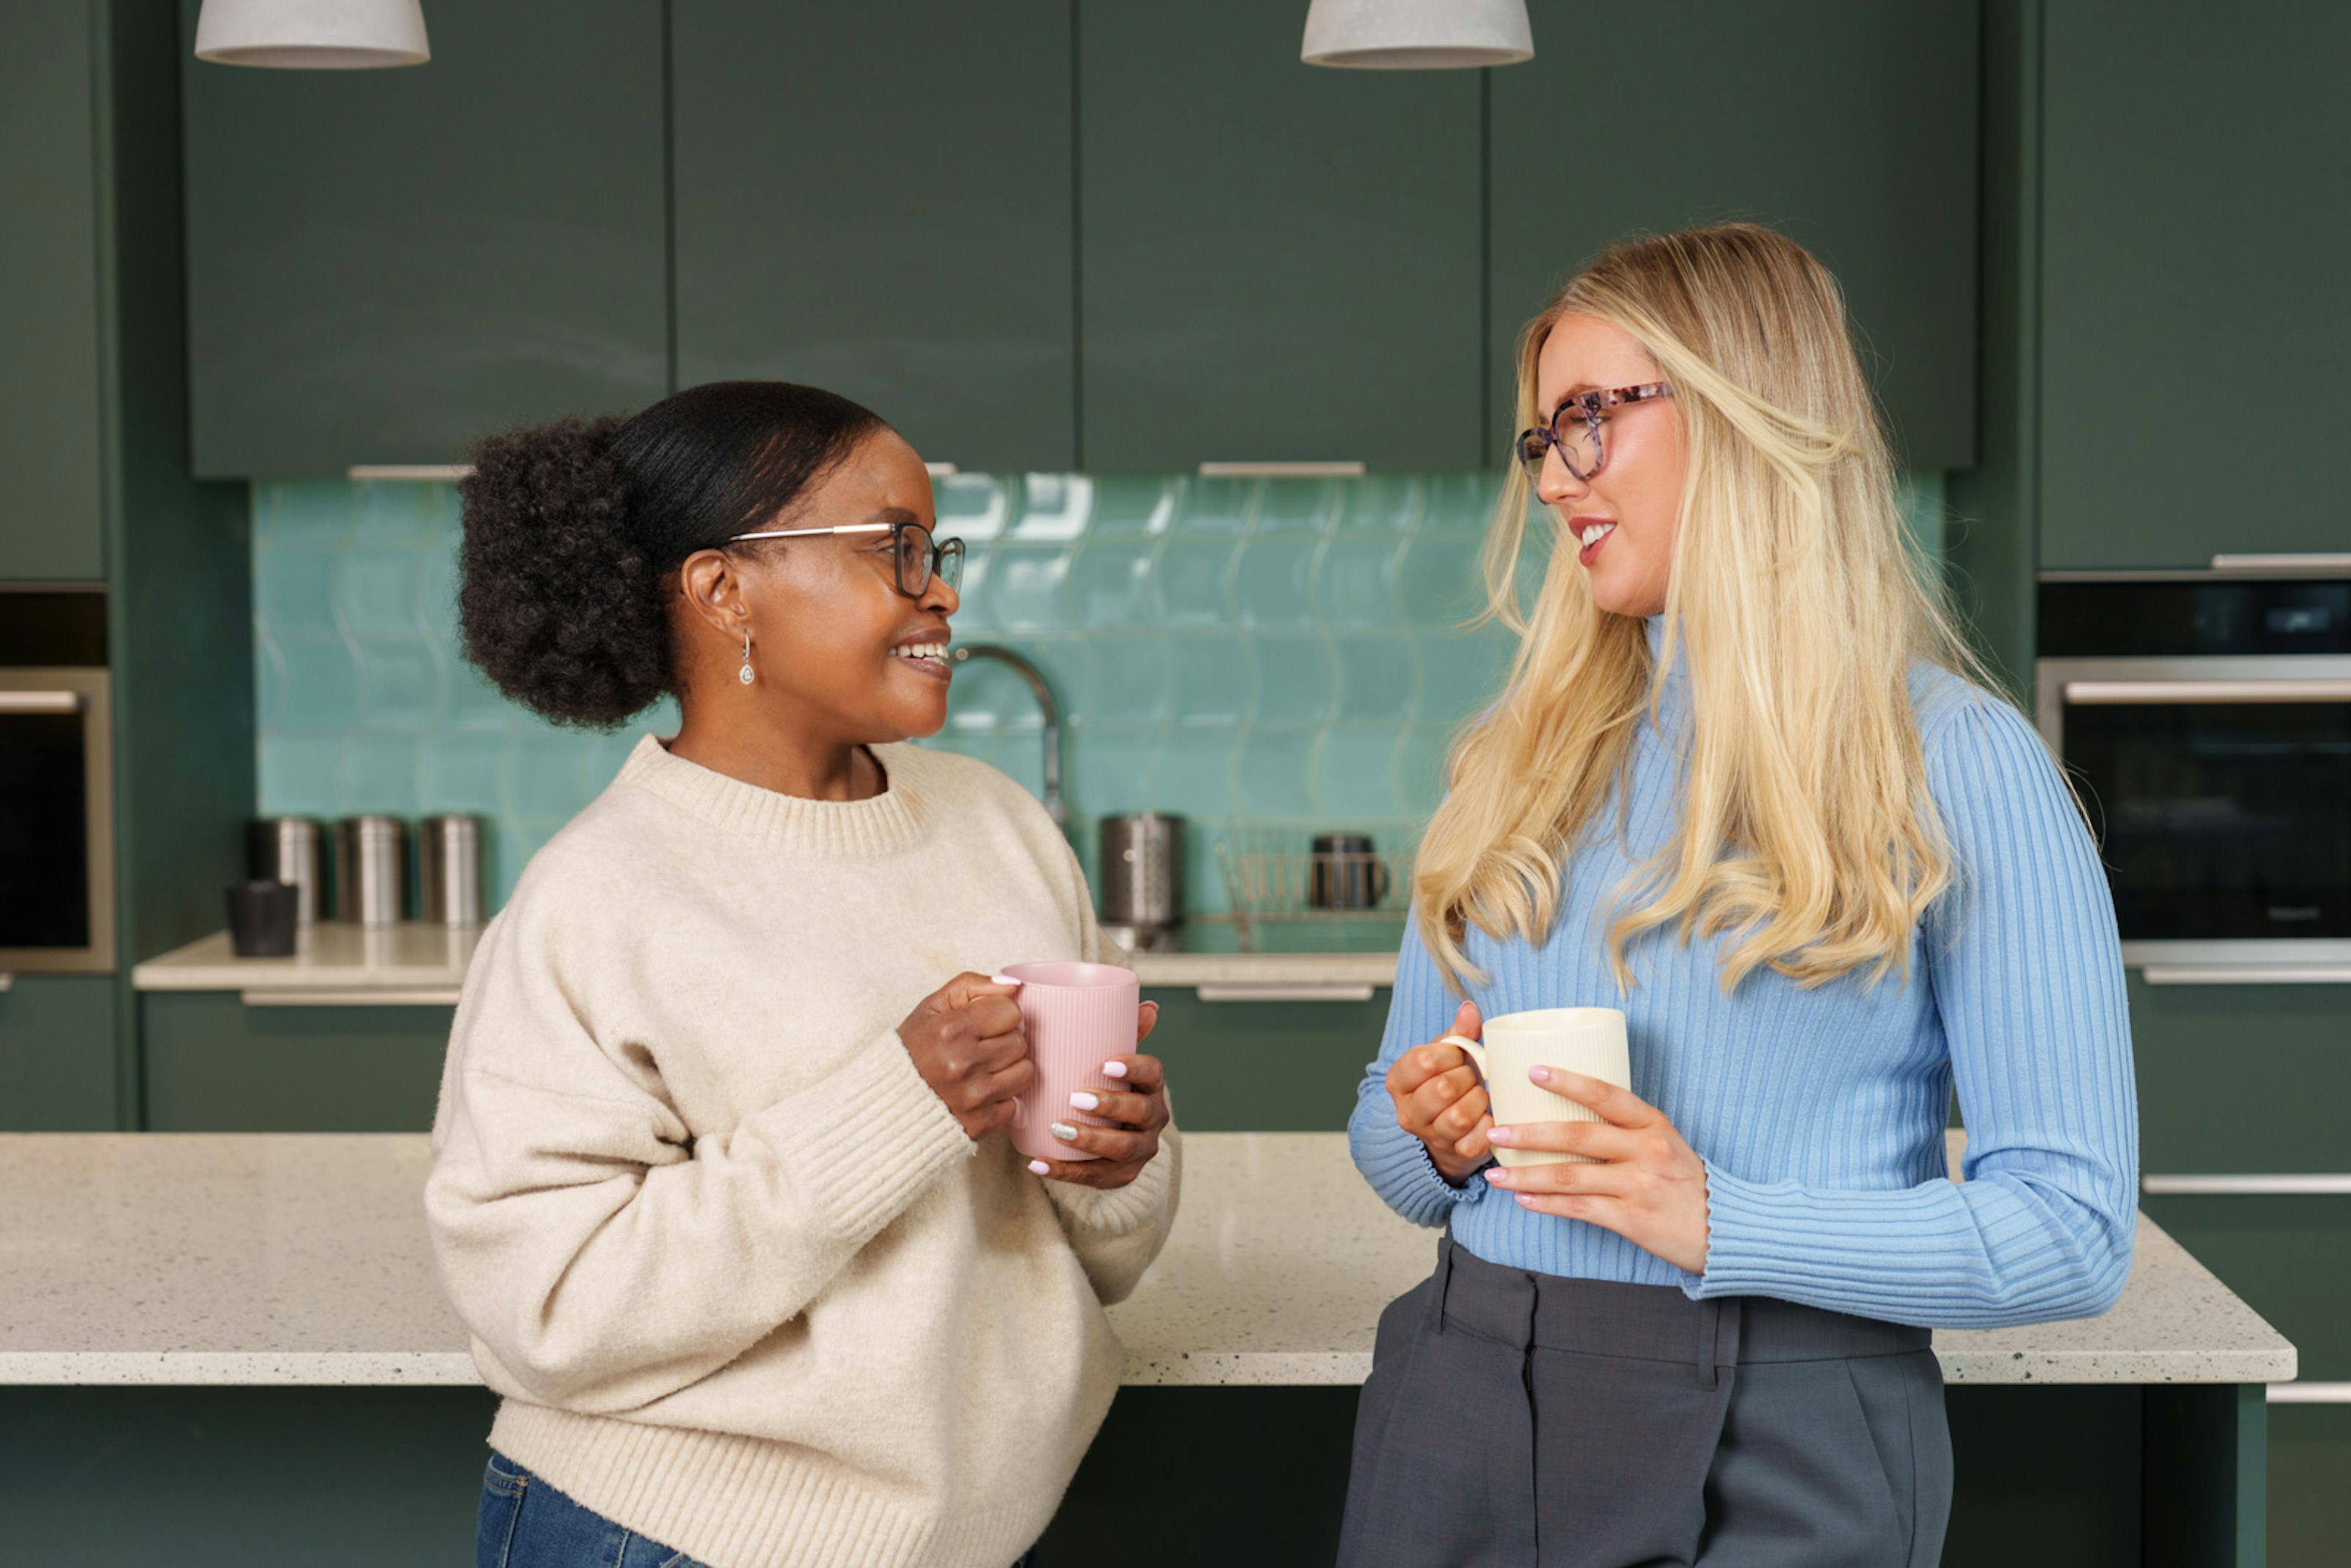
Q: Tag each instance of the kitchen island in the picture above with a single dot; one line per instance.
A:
(290, 1275)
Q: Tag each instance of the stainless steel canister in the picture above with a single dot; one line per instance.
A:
(1142, 871)
(449, 869)
(290, 850)
(371, 869)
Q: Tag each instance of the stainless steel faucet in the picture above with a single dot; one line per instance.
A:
(1055, 807)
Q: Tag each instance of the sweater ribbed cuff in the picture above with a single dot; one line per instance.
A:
(866, 1137)
(1401, 1171)
(1751, 1245)
(1120, 1211)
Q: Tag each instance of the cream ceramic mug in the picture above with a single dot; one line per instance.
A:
(1590, 1040)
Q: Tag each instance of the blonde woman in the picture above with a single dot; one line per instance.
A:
(1739, 784)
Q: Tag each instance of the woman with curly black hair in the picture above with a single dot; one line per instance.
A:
(720, 1184)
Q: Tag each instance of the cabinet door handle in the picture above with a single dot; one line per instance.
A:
(1350, 470)
(1248, 993)
(2318, 561)
(2315, 1183)
(40, 702)
(2310, 1393)
(357, 996)
(422, 473)
(2246, 974)
(2116, 694)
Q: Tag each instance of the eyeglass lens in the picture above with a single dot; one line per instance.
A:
(918, 558)
(1576, 436)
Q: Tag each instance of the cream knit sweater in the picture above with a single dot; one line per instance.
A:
(744, 1282)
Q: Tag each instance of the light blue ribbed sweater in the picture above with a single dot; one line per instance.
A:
(1821, 1114)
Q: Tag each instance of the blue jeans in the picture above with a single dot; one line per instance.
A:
(525, 1523)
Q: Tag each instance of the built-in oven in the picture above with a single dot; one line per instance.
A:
(57, 791)
(2205, 718)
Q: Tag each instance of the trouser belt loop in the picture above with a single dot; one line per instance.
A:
(1719, 1338)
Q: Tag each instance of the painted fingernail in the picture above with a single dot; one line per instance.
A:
(1526, 1200)
(1064, 1131)
(1113, 1069)
(1041, 1167)
(1083, 1100)
(1496, 1175)
(1497, 1134)
(1539, 1074)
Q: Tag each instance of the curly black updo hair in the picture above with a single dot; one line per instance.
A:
(571, 529)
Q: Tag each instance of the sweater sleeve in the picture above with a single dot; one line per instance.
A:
(1396, 1163)
(1117, 1233)
(602, 1256)
(2027, 973)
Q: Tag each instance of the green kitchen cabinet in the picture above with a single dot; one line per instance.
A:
(384, 265)
(2241, 1079)
(2290, 1257)
(215, 1063)
(1278, 262)
(50, 459)
(1848, 125)
(56, 1054)
(2310, 1510)
(2192, 330)
(2248, 1080)
(876, 199)
(1264, 1066)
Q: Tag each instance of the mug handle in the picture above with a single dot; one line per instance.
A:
(1472, 1050)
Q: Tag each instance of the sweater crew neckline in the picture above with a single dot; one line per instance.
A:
(880, 825)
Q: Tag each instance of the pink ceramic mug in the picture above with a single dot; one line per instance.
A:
(1077, 1016)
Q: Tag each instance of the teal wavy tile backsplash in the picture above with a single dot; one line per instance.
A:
(1281, 655)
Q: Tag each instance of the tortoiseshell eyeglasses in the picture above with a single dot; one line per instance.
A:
(1574, 429)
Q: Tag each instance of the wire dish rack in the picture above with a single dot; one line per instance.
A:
(1272, 878)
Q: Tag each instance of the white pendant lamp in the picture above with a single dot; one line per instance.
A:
(312, 35)
(1416, 35)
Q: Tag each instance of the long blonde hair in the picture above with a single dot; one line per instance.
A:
(1805, 825)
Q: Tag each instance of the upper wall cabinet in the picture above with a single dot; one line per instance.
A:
(51, 507)
(384, 265)
(876, 198)
(1279, 262)
(1850, 125)
(2193, 328)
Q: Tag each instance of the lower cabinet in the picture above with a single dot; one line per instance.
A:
(2290, 1257)
(217, 1064)
(1264, 1066)
(2243, 1081)
(56, 1054)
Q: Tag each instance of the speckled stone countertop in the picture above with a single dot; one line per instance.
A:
(302, 1259)
(417, 962)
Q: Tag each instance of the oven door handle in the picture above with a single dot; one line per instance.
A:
(2102, 693)
(40, 702)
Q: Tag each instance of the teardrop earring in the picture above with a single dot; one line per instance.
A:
(743, 674)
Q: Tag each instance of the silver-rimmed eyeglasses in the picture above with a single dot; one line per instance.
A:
(918, 558)
(1574, 429)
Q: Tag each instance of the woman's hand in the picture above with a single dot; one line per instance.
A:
(967, 1042)
(1441, 1100)
(1139, 1110)
(1651, 1188)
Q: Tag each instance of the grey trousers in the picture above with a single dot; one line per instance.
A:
(1519, 1420)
